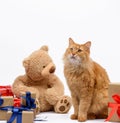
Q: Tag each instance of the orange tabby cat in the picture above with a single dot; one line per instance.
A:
(87, 81)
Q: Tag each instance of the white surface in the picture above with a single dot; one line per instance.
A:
(61, 118)
(26, 25)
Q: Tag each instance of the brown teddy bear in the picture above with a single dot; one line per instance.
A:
(40, 78)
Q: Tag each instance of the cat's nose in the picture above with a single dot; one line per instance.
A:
(73, 54)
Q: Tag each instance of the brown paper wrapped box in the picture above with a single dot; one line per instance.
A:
(23, 101)
(114, 88)
(27, 116)
(8, 101)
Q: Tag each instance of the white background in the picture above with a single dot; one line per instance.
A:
(26, 25)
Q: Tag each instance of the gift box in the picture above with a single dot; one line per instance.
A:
(114, 102)
(29, 95)
(10, 110)
(21, 117)
(6, 91)
(5, 101)
(28, 100)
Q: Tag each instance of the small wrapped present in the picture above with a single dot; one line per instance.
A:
(5, 101)
(18, 115)
(114, 102)
(28, 99)
(6, 90)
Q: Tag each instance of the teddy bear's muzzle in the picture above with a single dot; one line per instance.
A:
(49, 69)
(52, 70)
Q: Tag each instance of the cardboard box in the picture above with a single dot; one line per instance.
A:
(23, 101)
(3, 115)
(8, 101)
(114, 88)
(27, 116)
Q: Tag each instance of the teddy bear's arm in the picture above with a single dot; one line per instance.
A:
(55, 90)
(19, 85)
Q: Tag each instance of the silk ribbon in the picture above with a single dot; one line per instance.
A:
(115, 107)
(30, 102)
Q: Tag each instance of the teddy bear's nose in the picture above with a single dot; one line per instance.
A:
(52, 69)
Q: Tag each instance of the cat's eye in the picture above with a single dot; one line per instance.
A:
(44, 66)
(79, 50)
(71, 49)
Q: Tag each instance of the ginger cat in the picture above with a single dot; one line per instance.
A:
(87, 81)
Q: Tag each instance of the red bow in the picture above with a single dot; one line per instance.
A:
(6, 91)
(17, 102)
(115, 107)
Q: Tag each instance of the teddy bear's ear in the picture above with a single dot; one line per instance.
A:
(26, 62)
(45, 48)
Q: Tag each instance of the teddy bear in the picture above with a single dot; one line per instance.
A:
(40, 78)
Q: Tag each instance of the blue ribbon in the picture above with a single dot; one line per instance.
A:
(6, 108)
(30, 102)
(1, 101)
(17, 114)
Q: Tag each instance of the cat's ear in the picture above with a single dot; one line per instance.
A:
(88, 44)
(71, 42)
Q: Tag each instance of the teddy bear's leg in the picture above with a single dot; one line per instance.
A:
(63, 105)
(52, 96)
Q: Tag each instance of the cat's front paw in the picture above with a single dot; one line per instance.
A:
(91, 116)
(82, 117)
(74, 117)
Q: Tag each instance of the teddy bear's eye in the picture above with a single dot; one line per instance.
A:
(44, 66)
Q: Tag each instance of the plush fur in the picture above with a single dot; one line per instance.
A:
(87, 81)
(40, 78)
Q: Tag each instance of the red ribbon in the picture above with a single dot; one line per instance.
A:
(6, 91)
(115, 107)
(17, 102)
